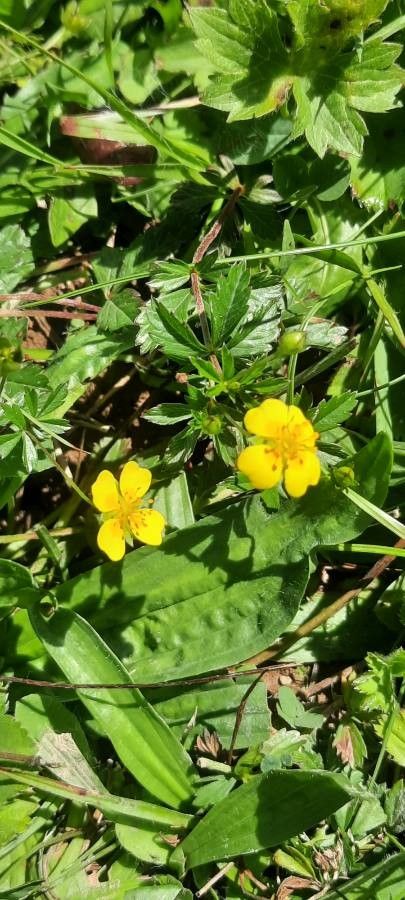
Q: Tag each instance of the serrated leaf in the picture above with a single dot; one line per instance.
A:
(168, 413)
(245, 46)
(151, 331)
(328, 104)
(181, 446)
(182, 336)
(260, 326)
(329, 26)
(119, 311)
(334, 411)
(256, 71)
(229, 304)
(16, 260)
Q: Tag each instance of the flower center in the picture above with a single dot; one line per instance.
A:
(289, 444)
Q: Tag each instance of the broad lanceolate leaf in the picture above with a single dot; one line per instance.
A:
(116, 808)
(140, 736)
(264, 812)
(240, 575)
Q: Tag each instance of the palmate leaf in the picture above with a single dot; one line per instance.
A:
(256, 71)
(328, 101)
(245, 46)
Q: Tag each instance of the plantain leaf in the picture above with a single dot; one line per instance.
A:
(240, 575)
(264, 812)
(118, 809)
(141, 738)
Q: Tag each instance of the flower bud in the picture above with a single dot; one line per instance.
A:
(211, 425)
(292, 342)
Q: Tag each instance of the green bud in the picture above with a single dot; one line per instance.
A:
(292, 342)
(343, 476)
(211, 425)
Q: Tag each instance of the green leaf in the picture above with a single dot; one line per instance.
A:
(17, 585)
(115, 808)
(215, 707)
(16, 260)
(395, 737)
(395, 807)
(328, 103)
(266, 811)
(245, 47)
(229, 304)
(334, 411)
(181, 446)
(260, 326)
(153, 333)
(168, 413)
(377, 178)
(256, 71)
(174, 502)
(241, 574)
(68, 214)
(140, 737)
(330, 26)
(247, 143)
(14, 738)
(119, 311)
(83, 355)
(385, 880)
(290, 708)
(182, 336)
(145, 842)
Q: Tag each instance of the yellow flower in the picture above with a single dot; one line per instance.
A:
(123, 517)
(288, 451)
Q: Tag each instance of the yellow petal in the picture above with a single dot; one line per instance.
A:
(134, 481)
(301, 472)
(261, 466)
(111, 540)
(267, 419)
(147, 525)
(295, 416)
(105, 492)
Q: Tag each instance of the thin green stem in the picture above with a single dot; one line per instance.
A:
(69, 481)
(292, 365)
(381, 387)
(306, 251)
(22, 537)
(377, 549)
